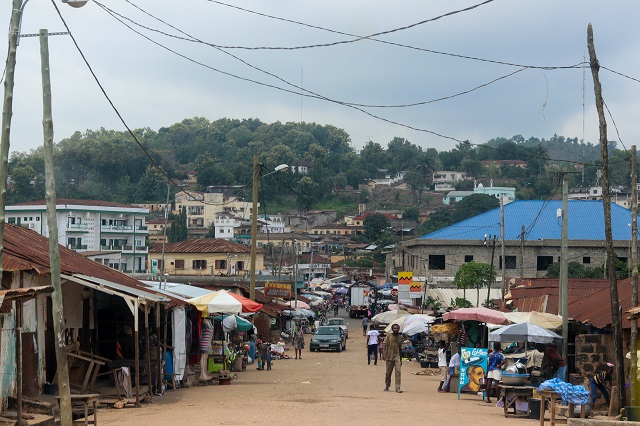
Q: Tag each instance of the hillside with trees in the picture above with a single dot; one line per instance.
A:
(110, 165)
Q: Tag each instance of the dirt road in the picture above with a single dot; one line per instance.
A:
(319, 389)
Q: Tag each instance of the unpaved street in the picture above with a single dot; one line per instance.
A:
(321, 388)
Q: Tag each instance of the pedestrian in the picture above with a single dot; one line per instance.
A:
(365, 322)
(552, 362)
(598, 382)
(336, 306)
(393, 345)
(496, 361)
(453, 364)
(298, 342)
(372, 345)
(442, 364)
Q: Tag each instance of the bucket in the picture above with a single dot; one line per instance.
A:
(534, 408)
(633, 413)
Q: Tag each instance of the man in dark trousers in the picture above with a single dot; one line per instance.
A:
(393, 344)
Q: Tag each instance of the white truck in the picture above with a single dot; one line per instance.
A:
(360, 295)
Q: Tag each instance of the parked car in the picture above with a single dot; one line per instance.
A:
(340, 322)
(328, 337)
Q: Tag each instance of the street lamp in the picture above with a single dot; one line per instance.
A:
(254, 222)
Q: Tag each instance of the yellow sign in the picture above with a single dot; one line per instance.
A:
(416, 287)
(405, 277)
(277, 290)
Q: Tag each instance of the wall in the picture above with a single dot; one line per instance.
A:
(592, 351)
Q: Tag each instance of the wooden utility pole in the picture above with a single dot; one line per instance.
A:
(254, 230)
(7, 112)
(611, 264)
(54, 253)
(634, 277)
(505, 282)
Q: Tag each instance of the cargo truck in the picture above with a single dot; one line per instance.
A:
(361, 295)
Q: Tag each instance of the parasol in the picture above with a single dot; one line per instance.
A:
(341, 290)
(234, 322)
(248, 305)
(524, 332)
(479, 314)
(217, 302)
(300, 304)
(388, 316)
(544, 320)
(412, 324)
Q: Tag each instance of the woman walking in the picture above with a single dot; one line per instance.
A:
(298, 343)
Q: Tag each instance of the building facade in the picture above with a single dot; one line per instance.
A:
(90, 225)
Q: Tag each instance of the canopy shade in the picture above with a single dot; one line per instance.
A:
(479, 314)
(389, 316)
(234, 322)
(544, 320)
(248, 305)
(524, 332)
(300, 304)
(412, 324)
(217, 302)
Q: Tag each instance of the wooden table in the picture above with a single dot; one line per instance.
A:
(551, 396)
(86, 399)
(510, 394)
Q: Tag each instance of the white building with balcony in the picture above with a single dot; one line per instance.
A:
(91, 226)
(272, 224)
(226, 223)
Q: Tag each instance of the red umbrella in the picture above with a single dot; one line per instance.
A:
(248, 305)
(480, 314)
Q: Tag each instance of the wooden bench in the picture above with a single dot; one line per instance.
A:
(85, 399)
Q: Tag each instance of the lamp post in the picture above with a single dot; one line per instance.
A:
(254, 223)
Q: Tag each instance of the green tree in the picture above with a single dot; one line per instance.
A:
(411, 213)
(474, 205)
(474, 275)
(178, 228)
(374, 224)
(416, 184)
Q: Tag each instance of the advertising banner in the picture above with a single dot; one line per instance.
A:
(277, 290)
(473, 368)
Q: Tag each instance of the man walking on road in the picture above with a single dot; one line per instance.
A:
(393, 343)
(372, 345)
(365, 322)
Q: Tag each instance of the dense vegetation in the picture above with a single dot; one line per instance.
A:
(110, 165)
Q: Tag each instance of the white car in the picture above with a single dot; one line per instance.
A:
(340, 322)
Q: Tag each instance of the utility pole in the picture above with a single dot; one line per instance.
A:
(254, 230)
(611, 267)
(164, 238)
(634, 277)
(295, 273)
(522, 252)
(505, 284)
(54, 253)
(493, 250)
(564, 269)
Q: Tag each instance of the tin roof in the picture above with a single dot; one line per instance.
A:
(586, 222)
(26, 250)
(595, 309)
(541, 294)
(202, 245)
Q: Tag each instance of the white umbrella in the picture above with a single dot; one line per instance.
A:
(388, 316)
(544, 320)
(412, 324)
(300, 304)
(524, 332)
(217, 302)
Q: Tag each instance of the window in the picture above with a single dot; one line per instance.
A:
(240, 265)
(468, 258)
(199, 264)
(11, 220)
(510, 262)
(179, 263)
(586, 260)
(221, 264)
(436, 262)
(37, 218)
(544, 262)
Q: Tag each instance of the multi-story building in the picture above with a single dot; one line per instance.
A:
(202, 208)
(91, 226)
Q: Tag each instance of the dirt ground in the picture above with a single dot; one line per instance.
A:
(319, 389)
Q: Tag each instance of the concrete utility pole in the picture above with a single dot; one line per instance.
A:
(611, 266)
(564, 268)
(490, 278)
(505, 284)
(634, 277)
(54, 253)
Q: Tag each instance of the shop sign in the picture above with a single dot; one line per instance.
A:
(282, 290)
(473, 368)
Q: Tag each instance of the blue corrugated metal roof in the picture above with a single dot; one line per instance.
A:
(586, 222)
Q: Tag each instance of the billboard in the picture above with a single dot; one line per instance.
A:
(473, 368)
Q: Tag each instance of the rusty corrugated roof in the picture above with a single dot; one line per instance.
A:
(26, 250)
(595, 309)
(75, 202)
(202, 245)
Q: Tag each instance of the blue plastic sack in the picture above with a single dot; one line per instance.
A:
(569, 393)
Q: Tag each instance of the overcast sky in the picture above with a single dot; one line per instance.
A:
(153, 87)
